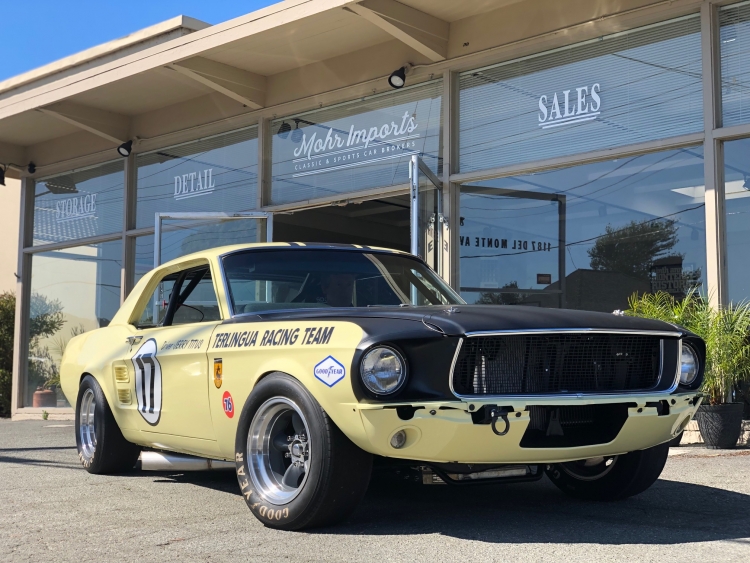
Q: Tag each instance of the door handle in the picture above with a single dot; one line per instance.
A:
(133, 339)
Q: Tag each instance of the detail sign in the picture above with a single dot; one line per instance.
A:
(194, 184)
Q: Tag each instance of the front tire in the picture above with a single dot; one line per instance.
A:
(102, 448)
(295, 468)
(610, 478)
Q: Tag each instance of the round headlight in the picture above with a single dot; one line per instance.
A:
(689, 365)
(383, 370)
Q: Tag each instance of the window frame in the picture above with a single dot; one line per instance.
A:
(181, 273)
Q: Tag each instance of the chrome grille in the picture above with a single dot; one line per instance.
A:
(531, 364)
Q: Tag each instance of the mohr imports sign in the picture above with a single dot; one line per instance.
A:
(339, 149)
(356, 146)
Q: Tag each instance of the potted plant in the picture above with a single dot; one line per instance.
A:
(726, 333)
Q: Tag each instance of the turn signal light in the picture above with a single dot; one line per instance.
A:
(121, 374)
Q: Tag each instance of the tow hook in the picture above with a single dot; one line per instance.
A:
(490, 414)
(501, 413)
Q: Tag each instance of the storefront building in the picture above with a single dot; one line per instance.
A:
(563, 158)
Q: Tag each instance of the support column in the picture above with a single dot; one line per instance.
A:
(451, 192)
(264, 166)
(128, 222)
(23, 295)
(716, 267)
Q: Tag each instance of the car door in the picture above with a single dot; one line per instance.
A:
(168, 358)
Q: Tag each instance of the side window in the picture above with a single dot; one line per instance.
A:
(156, 308)
(197, 300)
(182, 298)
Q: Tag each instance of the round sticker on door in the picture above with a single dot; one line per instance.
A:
(228, 404)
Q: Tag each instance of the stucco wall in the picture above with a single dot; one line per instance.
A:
(11, 201)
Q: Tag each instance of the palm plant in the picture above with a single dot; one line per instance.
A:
(726, 332)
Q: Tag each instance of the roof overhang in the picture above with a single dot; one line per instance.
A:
(291, 56)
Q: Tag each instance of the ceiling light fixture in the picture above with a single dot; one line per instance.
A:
(397, 79)
(284, 129)
(125, 148)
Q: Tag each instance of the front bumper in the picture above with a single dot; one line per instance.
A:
(445, 432)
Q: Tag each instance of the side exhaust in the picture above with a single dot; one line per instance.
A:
(161, 461)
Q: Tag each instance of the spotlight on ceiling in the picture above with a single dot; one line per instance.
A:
(31, 168)
(125, 148)
(284, 129)
(397, 79)
(297, 133)
(2, 175)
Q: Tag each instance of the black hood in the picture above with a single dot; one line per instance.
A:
(470, 318)
(460, 319)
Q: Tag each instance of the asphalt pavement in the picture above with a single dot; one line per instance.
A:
(52, 510)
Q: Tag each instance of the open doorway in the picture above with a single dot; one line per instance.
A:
(377, 222)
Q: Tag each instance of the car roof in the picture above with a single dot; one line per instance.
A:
(220, 250)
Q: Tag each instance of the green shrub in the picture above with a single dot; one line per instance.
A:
(726, 332)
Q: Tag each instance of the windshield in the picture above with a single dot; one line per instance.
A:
(263, 280)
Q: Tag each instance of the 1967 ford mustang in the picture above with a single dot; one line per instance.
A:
(302, 364)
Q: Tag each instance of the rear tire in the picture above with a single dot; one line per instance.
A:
(101, 446)
(295, 468)
(610, 478)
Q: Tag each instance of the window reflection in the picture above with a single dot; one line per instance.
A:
(212, 174)
(737, 195)
(72, 291)
(586, 237)
(79, 204)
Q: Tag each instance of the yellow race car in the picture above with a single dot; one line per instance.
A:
(302, 364)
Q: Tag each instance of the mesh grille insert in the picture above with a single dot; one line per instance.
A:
(557, 363)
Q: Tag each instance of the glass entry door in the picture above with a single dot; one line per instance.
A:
(427, 222)
(177, 234)
(512, 247)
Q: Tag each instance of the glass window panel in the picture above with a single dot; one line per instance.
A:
(156, 308)
(628, 225)
(355, 146)
(621, 89)
(201, 304)
(734, 35)
(303, 279)
(737, 195)
(214, 174)
(79, 204)
(179, 238)
(72, 291)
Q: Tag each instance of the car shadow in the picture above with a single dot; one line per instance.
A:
(670, 512)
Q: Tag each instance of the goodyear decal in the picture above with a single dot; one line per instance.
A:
(279, 337)
(330, 371)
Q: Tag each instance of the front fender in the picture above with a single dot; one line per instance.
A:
(92, 353)
(245, 361)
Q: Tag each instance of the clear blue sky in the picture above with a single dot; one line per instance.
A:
(36, 32)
